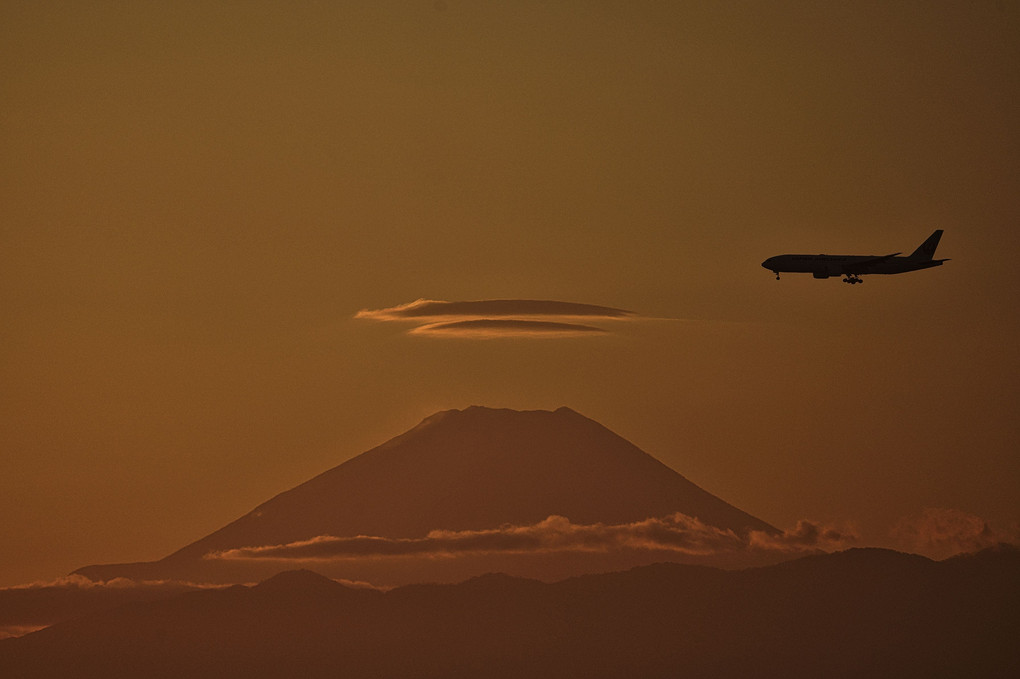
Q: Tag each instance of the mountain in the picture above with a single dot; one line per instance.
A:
(458, 470)
(864, 612)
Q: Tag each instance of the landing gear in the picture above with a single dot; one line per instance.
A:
(852, 278)
(777, 274)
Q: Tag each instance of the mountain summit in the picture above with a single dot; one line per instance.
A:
(468, 470)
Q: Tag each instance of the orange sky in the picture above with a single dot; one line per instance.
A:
(196, 199)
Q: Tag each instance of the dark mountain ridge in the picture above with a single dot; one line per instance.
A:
(864, 612)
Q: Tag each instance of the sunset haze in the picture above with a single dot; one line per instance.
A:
(209, 212)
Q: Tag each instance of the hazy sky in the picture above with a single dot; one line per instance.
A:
(197, 199)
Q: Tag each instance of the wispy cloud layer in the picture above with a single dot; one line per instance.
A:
(492, 318)
(674, 533)
(11, 631)
(30, 607)
(80, 582)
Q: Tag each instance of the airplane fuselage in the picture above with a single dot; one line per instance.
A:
(823, 266)
(855, 266)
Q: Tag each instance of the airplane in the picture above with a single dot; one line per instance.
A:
(854, 266)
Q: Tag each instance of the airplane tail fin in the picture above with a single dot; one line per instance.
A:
(926, 251)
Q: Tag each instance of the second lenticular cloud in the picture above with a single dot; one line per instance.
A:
(493, 318)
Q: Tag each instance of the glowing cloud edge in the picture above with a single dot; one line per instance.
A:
(489, 328)
(431, 310)
(676, 533)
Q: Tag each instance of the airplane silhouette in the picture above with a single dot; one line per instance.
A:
(854, 266)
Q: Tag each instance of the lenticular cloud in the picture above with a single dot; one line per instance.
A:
(505, 327)
(434, 310)
(493, 318)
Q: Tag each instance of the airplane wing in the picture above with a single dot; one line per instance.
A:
(875, 260)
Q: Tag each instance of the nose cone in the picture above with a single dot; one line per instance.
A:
(768, 263)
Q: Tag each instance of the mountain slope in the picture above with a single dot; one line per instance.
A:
(471, 469)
